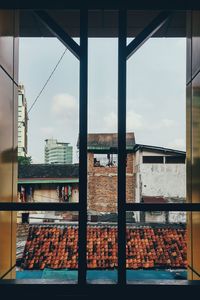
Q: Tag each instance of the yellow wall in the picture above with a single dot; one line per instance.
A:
(193, 138)
(8, 135)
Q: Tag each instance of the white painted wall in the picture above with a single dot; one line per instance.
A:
(177, 217)
(75, 195)
(45, 195)
(151, 217)
(167, 180)
(173, 217)
(48, 194)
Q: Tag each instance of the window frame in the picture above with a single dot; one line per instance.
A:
(81, 207)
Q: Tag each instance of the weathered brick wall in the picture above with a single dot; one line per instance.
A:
(102, 185)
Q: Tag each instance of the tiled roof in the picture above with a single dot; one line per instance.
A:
(147, 247)
(48, 171)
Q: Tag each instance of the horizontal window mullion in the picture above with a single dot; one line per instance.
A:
(11, 206)
(163, 207)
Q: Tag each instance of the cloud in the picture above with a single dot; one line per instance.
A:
(110, 122)
(167, 123)
(134, 121)
(64, 106)
(47, 131)
(156, 125)
(178, 144)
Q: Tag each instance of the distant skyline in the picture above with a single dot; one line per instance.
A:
(156, 80)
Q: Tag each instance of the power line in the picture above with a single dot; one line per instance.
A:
(47, 81)
(36, 99)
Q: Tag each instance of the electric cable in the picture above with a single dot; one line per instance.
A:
(44, 86)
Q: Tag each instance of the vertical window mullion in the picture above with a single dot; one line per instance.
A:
(82, 265)
(122, 148)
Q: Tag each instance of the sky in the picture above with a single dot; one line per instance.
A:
(156, 80)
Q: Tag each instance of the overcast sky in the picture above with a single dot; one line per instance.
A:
(156, 79)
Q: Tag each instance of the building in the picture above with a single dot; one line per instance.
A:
(102, 172)
(160, 178)
(153, 175)
(52, 183)
(183, 20)
(57, 153)
(22, 122)
(48, 183)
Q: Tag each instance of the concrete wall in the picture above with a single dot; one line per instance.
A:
(45, 194)
(75, 194)
(152, 217)
(167, 180)
(172, 216)
(22, 234)
(177, 217)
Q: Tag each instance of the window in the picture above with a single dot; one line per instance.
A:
(175, 160)
(109, 233)
(153, 159)
(105, 160)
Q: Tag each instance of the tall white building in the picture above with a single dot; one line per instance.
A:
(22, 122)
(57, 153)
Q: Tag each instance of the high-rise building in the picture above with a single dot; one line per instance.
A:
(22, 122)
(57, 152)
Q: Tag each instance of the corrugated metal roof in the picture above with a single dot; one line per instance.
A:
(158, 149)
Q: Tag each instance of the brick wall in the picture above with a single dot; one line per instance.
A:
(102, 185)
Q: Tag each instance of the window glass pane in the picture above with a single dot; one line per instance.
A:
(102, 154)
(156, 246)
(153, 159)
(47, 245)
(48, 112)
(156, 84)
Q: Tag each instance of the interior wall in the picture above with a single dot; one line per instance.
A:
(8, 135)
(193, 138)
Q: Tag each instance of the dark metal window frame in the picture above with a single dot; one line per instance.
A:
(81, 52)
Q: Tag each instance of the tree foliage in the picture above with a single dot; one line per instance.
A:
(24, 160)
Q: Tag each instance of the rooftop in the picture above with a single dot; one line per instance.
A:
(108, 142)
(50, 172)
(171, 240)
(158, 149)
